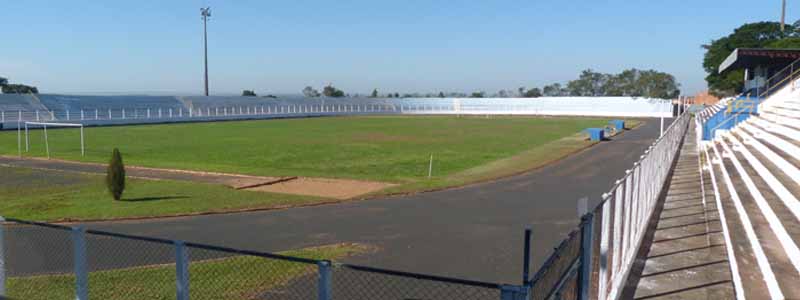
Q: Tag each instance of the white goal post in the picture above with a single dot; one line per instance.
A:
(46, 143)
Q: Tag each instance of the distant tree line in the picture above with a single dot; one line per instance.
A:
(8, 88)
(327, 91)
(628, 83)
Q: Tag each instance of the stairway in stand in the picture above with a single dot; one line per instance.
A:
(684, 256)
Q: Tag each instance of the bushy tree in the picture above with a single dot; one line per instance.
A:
(589, 83)
(477, 95)
(115, 176)
(330, 91)
(554, 90)
(248, 93)
(19, 89)
(3, 81)
(310, 92)
(533, 93)
(374, 93)
(751, 35)
(441, 94)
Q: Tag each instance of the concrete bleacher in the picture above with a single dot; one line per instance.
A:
(20, 102)
(76, 103)
(757, 169)
(132, 109)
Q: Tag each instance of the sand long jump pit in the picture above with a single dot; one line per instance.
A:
(339, 189)
(323, 187)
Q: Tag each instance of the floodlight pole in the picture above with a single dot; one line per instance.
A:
(205, 12)
(783, 16)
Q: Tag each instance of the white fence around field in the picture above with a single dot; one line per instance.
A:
(556, 106)
(610, 236)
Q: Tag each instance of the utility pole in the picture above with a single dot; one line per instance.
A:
(783, 16)
(205, 12)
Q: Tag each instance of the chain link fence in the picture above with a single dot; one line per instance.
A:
(47, 261)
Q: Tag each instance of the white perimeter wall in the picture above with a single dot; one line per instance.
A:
(556, 106)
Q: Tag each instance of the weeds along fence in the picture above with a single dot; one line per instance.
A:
(48, 261)
(595, 260)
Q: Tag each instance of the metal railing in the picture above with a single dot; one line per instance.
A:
(785, 76)
(595, 260)
(49, 261)
(172, 114)
(733, 113)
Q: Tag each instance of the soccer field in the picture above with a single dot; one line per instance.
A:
(393, 149)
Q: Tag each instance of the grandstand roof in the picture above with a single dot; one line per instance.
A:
(752, 57)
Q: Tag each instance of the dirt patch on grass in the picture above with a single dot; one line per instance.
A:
(324, 187)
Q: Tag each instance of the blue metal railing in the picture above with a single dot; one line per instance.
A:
(735, 112)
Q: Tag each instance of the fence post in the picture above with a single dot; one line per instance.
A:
(526, 257)
(514, 292)
(181, 270)
(81, 273)
(325, 280)
(585, 273)
(2, 261)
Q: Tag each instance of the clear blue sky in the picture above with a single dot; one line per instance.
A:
(406, 46)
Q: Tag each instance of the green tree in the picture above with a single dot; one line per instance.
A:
(751, 35)
(374, 93)
(654, 84)
(477, 95)
(397, 95)
(248, 93)
(441, 94)
(553, 90)
(310, 92)
(589, 83)
(533, 93)
(330, 91)
(3, 81)
(19, 89)
(115, 176)
(787, 43)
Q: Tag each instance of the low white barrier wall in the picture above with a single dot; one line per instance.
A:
(555, 106)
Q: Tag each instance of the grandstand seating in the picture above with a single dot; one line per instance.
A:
(20, 102)
(107, 110)
(756, 171)
(77, 103)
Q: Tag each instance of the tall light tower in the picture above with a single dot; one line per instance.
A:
(783, 16)
(206, 13)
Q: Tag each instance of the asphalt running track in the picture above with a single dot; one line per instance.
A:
(473, 232)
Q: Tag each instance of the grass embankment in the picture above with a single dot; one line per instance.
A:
(239, 277)
(61, 196)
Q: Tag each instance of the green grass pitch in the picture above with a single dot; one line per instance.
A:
(392, 149)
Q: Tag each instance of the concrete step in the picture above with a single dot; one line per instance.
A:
(752, 284)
